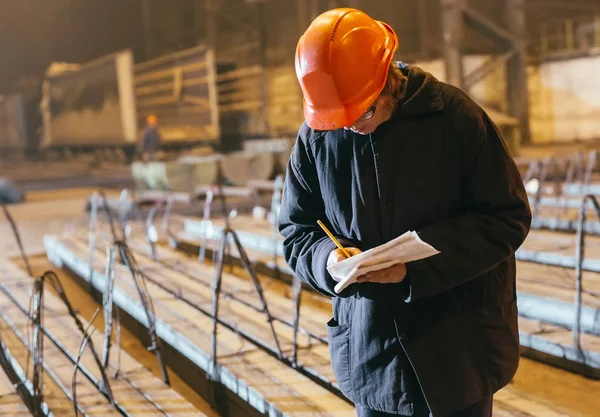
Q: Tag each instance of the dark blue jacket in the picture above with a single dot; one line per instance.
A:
(150, 139)
(440, 167)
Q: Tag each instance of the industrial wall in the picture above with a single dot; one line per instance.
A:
(563, 96)
(565, 100)
(13, 129)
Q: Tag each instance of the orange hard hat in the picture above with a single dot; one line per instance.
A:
(342, 63)
(151, 119)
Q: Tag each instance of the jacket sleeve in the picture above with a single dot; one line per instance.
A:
(306, 247)
(494, 222)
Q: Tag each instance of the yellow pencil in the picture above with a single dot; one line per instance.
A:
(332, 237)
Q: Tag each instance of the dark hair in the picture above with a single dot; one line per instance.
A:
(394, 88)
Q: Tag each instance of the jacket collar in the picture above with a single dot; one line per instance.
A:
(423, 93)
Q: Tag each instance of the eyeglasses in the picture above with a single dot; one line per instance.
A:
(369, 113)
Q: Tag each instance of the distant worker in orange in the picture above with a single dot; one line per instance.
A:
(151, 139)
(387, 148)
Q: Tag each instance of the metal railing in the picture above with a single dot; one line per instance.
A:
(576, 173)
(548, 173)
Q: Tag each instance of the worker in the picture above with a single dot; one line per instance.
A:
(151, 139)
(387, 148)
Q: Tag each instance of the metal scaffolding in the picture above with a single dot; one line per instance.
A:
(510, 50)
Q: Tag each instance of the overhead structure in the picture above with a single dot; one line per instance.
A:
(457, 16)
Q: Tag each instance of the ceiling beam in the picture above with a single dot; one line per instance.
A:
(487, 26)
(484, 70)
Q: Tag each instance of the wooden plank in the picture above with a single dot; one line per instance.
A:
(198, 101)
(554, 344)
(554, 248)
(157, 101)
(169, 72)
(239, 73)
(157, 88)
(11, 403)
(213, 92)
(173, 57)
(57, 375)
(251, 105)
(556, 282)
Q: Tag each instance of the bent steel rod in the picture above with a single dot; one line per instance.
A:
(579, 257)
(128, 260)
(89, 376)
(147, 304)
(17, 235)
(255, 281)
(228, 231)
(19, 385)
(309, 373)
(55, 282)
(228, 294)
(314, 376)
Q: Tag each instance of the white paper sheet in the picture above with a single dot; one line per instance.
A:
(406, 248)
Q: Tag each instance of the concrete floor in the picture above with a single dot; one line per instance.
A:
(541, 389)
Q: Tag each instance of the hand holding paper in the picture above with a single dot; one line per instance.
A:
(406, 248)
(394, 274)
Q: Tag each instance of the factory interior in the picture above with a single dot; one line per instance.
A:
(146, 150)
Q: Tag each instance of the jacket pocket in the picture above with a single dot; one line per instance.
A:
(496, 337)
(338, 336)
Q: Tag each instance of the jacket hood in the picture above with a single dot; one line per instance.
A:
(423, 93)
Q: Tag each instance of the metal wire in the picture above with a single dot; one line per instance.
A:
(17, 235)
(107, 304)
(84, 342)
(17, 382)
(107, 393)
(139, 280)
(579, 256)
(37, 343)
(52, 278)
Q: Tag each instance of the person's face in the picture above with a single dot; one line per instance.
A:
(370, 119)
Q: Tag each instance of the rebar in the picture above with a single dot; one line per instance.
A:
(107, 392)
(76, 368)
(17, 235)
(107, 304)
(181, 269)
(18, 383)
(37, 344)
(257, 285)
(579, 256)
(151, 232)
(52, 278)
(139, 280)
(205, 221)
(297, 297)
(589, 171)
(275, 207)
